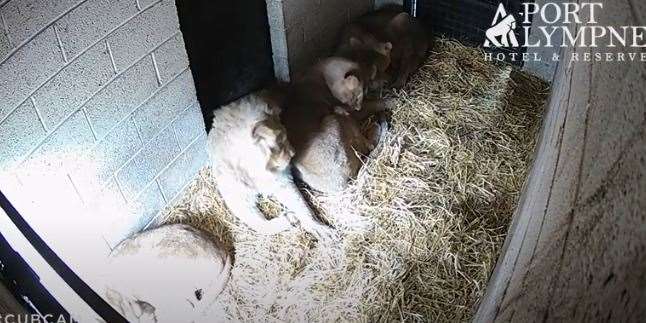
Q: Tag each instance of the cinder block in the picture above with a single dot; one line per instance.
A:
(68, 90)
(183, 170)
(165, 106)
(63, 148)
(121, 97)
(143, 33)
(171, 58)
(137, 215)
(5, 45)
(91, 21)
(189, 126)
(147, 164)
(24, 18)
(105, 159)
(145, 3)
(20, 133)
(25, 70)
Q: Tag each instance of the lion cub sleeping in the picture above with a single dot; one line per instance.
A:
(250, 155)
(322, 114)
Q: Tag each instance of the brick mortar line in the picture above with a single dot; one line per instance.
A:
(75, 57)
(89, 124)
(38, 115)
(92, 97)
(60, 43)
(174, 198)
(170, 124)
(5, 27)
(109, 49)
(103, 186)
(156, 180)
(137, 127)
(175, 131)
(137, 130)
(107, 244)
(114, 175)
(41, 30)
(76, 190)
(196, 104)
(172, 201)
(157, 74)
(161, 172)
(119, 188)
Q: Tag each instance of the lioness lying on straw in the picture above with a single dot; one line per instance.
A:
(250, 155)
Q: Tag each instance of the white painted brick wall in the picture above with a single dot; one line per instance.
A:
(304, 30)
(98, 114)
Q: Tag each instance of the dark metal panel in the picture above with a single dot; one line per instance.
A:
(466, 20)
(229, 48)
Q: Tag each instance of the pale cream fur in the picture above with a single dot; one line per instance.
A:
(250, 155)
(168, 274)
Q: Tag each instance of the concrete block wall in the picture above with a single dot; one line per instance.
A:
(304, 30)
(99, 122)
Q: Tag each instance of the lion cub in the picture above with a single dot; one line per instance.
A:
(409, 39)
(250, 155)
(319, 115)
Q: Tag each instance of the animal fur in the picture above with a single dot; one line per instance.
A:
(409, 38)
(325, 137)
(250, 155)
(171, 273)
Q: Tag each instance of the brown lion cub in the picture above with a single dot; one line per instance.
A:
(409, 38)
(250, 155)
(318, 110)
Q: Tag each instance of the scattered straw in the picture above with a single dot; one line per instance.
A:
(423, 224)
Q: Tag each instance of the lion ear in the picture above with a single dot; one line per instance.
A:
(263, 131)
(355, 42)
(387, 47)
(274, 96)
(400, 22)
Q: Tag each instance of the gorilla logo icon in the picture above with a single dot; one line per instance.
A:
(502, 27)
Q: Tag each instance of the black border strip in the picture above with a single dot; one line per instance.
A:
(23, 282)
(98, 304)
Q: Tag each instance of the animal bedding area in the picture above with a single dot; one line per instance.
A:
(422, 226)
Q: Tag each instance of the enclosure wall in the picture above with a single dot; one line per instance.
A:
(302, 31)
(576, 250)
(99, 123)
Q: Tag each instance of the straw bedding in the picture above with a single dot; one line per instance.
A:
(422, 226)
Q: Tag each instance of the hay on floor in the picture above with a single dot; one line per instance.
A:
(422, 226)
